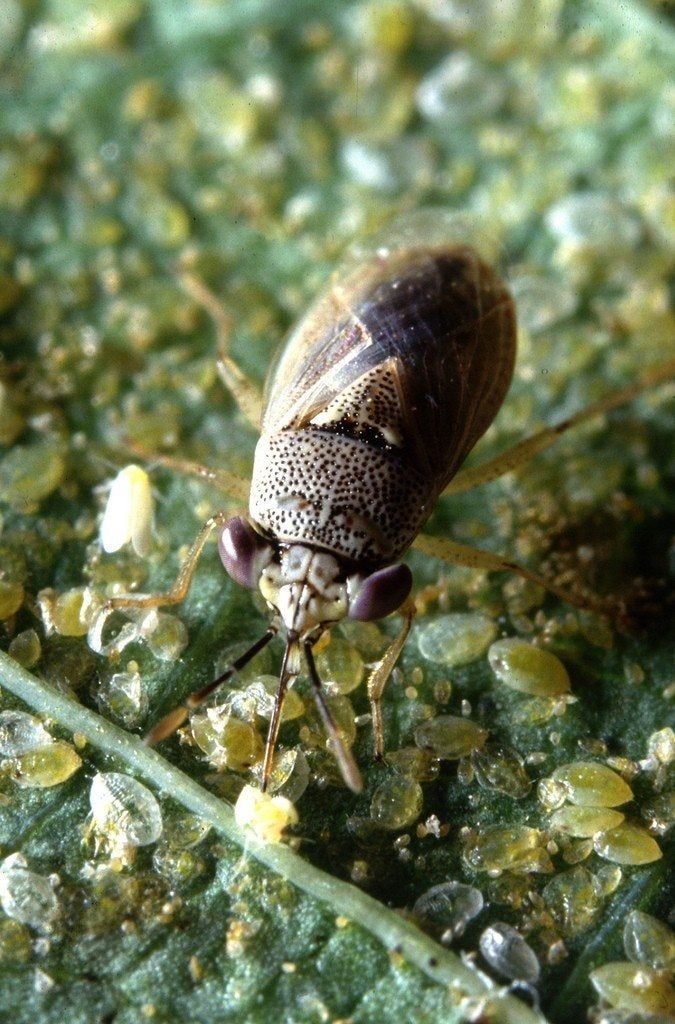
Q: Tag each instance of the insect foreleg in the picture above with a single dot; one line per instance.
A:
(475, 558)
(521, 453)
(182, 582)
(177, 716)
(381, 672)
(244, 391)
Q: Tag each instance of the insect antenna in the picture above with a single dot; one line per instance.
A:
(343, 755)
(285, 677)
(177, 716)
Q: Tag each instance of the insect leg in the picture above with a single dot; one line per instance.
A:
(475, 558)
(348, 766)
(225, 481)
(244, 391)
(177, 716)
(285, 678)
(182, 582)
(381, 672)
(521, 453)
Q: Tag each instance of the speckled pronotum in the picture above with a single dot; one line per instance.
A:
(376, 399)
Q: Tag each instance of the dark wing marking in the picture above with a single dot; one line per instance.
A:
(440, 324)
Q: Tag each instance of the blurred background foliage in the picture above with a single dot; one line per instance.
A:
(252, 142)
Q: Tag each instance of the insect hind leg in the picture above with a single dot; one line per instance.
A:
(245, 392)
(475, 558)
(520, 454)
(175, 718)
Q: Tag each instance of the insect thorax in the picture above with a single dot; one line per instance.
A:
(362, 501)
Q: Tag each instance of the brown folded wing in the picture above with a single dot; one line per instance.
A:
(414, 350)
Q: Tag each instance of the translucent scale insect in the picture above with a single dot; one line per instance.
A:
(376, 399)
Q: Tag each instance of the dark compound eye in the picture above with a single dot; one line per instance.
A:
(381, 593)
(243, 552)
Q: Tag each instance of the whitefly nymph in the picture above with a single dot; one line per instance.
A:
(374, 402)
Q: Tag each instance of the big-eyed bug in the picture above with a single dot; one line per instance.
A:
(376, 399)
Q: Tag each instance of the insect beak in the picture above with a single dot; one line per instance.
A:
(292, 658)
(290, 668)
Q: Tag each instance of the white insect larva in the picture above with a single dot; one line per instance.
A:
(26, 896)
(129, 512)
(125, 814)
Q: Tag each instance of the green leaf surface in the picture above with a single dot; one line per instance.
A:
(252, 142)
(345, 956)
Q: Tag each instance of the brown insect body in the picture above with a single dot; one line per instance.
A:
(375, 401)
(380, 393)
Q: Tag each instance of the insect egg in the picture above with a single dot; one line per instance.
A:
(587, 784)
(648, 941)
(508, 952)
